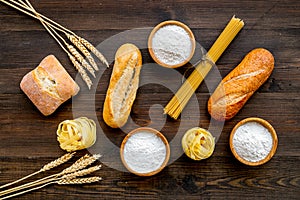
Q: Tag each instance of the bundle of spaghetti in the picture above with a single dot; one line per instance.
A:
(182, 96)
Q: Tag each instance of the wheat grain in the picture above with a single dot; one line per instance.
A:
(81, 71)
(82, 48)
(81, 172)
(79, 180)
(94, 50)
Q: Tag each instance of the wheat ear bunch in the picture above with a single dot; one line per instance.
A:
(46, 167)
(80, 58)
(81, 71)
(83, 49)
(81, 172)
(82, 163)
(70, 173)
(82, 44)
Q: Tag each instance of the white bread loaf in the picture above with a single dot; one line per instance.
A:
(123, 85)
(240, 84)
(49, 85)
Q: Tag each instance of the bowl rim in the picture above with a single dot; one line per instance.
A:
(272, 131)
(150, 130)
(180, 24)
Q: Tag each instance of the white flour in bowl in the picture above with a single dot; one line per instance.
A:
(172, 44)
(144, 152)
(252, 141)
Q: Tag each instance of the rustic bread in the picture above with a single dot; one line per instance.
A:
(123, 85)
(239, 85)
(49, 85)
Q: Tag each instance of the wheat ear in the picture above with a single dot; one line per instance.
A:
(46, 167)
(81, 71)
(81, 163)
(79, 180)
(81, 172)
(79, 57)
(94, 50)
(63, 159)
(83, 49)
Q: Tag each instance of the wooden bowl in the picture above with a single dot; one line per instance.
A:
(266, 125)
(165, 23)
(149, 130)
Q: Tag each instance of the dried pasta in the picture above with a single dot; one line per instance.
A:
(182, 96)
(76, 134)
(198, 143)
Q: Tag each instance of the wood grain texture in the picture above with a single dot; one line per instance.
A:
(28, 139)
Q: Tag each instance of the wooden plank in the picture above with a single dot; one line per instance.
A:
(28, 139)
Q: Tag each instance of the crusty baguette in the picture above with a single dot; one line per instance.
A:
(123, 85)
(49, 85)
(239, 85)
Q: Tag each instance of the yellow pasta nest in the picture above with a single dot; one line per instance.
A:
(76, 134)
(198, 143)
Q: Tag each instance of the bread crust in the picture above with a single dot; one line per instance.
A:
(240, 84)
(49, 85)
(123, 85)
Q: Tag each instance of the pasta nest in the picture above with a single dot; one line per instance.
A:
(198, 143)
(76, 134)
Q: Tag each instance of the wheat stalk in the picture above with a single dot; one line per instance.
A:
(26, 191)
(46, 167)
(60, 182)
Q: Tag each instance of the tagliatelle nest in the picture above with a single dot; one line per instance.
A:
(76, 134)
(198, 143)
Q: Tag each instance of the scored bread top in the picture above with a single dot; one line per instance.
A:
(123, 85)
(239, 85)
(49, 85)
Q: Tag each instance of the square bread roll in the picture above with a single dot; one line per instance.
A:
(49, 85)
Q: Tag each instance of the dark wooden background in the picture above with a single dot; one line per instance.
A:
(28, 139)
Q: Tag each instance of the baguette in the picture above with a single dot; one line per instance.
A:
(49, 85)
(239, 85)
(123, 86)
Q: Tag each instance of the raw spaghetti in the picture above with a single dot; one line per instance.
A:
(182, 96)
